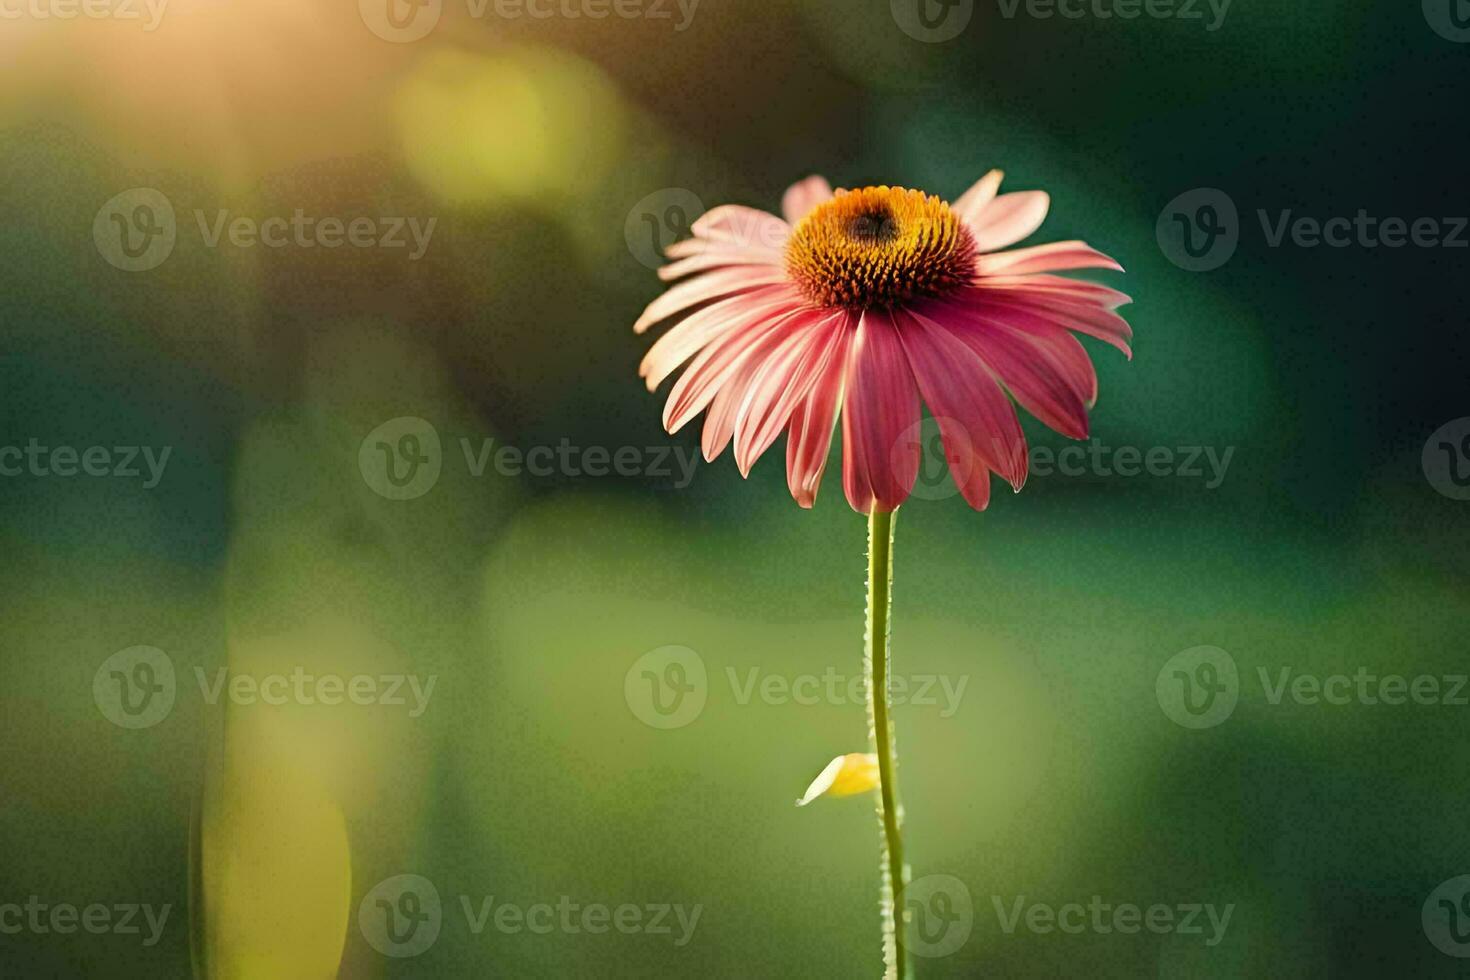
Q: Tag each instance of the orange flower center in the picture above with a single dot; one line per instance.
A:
(878, 247)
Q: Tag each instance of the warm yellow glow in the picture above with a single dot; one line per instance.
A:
(236, 89)
(531, 125)
(276, 871)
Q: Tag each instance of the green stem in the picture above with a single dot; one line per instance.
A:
(880, 723)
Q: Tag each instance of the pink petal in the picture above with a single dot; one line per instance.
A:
(976, 419)
(1067, 354)
(713, 285)
(769, 354)
(717, 364)
(809, 440)
(782, 382)
(1008, 219)
(1044, 258)
(1095, 321)
(1060, 286)
(686, 247)
(880, 459)
(735, 224)
(1041, 372)
(717, 256)
(719, 421)
(687, 336)
(1051, 377)
(973, 201)
(802, 196)
(1061, 345)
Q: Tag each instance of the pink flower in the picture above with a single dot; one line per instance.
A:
(860, 304)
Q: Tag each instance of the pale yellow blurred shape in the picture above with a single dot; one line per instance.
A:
(341, 745)
(276, 871)
(528, 125)
(846, 775)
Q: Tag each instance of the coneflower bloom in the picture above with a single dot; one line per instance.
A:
(862, 303)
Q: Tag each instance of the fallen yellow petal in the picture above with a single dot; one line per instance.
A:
(846, 775)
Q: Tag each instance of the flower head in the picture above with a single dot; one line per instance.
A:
(862, 303)
(879, 246)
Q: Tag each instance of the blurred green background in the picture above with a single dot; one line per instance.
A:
(542, 148)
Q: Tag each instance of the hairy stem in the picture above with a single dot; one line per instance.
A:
(880, 723)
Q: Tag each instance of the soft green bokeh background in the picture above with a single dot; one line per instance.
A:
(529, 778)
